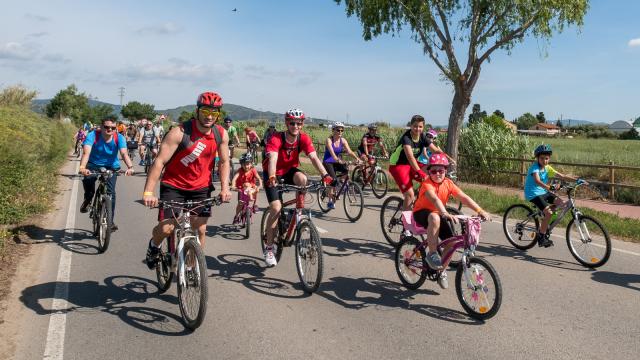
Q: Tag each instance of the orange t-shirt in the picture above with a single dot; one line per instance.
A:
(443, 191)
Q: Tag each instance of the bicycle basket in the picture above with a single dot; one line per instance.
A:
(473, 231)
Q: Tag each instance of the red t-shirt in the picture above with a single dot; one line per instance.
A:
(246, 177)
(288, 156)
(252, 136)
(190, 169)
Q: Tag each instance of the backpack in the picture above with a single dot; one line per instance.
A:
(115, 138)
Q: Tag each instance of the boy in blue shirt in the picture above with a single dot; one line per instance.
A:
(537, 190)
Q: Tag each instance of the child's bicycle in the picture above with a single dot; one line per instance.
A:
(296, 228)
(587, 239)
(370, 173)
(245, 217)
(351, 192)
(182, 255)
(477, 283)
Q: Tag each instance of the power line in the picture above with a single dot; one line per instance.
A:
(121, 93)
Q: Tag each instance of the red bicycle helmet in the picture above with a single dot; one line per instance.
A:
(209, 99)
(438, 159)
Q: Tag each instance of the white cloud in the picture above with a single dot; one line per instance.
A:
(56, 58)
(176, 70)
(37, 17)
(634, 42)
(18, 51)
(38, 34)
(299, 77)
(167, 28)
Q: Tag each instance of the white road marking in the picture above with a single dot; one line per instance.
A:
(321, 230)
(54, 348)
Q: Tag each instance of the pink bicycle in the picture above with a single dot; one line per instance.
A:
(477, 283)
(245, 217)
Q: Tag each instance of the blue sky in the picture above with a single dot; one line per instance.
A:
(274, 55)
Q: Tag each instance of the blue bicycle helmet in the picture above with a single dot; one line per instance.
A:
(543, 149)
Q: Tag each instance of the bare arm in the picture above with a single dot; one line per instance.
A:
(536, 178)
(271, 167)
(348, 148)
(168, 148)
(317, 163)
(408, 151)
(364, 146)
(258, 180)
(235, 178)
(224, 166)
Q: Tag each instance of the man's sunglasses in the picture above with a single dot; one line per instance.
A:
(296, 123)
(437, 171)
(109, 127)
(210, 112)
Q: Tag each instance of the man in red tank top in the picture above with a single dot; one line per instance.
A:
(282, 161)
(187, 162)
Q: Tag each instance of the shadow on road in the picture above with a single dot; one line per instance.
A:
(623, 280)
(491, 249)
(351, 246)
(326, 217)
(227, 231)
(76, 242)
(120, 295)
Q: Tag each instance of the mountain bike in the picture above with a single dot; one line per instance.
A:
(78, 149)
(353, 201)
(132, 146)
(295, 227)
(587, 238)
(182, 256)
(245, 218)
(253, 150)
(100, 210)
(148, 157)
(371, 173)
(478, 286)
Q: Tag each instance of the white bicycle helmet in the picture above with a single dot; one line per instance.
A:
(337, 124)
(294, 114)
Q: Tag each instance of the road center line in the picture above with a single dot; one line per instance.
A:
(54, 348)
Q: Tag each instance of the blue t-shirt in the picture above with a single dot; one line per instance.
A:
(102, 153)
(531, 189)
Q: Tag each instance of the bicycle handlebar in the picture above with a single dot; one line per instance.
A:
(217, 201)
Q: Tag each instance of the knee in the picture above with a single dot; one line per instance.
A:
(434, 220)
(275, 207)
(300, 179)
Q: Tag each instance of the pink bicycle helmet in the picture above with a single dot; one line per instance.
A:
(438, 159)
(432, 133)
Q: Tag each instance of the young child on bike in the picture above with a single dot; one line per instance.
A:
(79, 136)
(538, 190)
(429, 210)
(246, 179)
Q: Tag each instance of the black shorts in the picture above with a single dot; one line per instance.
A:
(422, 217)
(169, 193)
(272, 192)
(543, 201)
(333, 168)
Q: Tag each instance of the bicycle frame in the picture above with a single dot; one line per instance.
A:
(569, 205)
(374, 168)
(295, 220)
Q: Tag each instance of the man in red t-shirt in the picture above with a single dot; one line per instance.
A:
(282, 161)
(187, 162)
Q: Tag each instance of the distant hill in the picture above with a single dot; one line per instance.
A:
(237, 112)
(575, 122)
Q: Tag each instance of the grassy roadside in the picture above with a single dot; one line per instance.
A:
(32, 148)
(620, 228)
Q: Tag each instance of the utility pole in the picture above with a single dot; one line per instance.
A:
(121, 93)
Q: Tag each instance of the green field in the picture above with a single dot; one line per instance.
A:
(594, 151)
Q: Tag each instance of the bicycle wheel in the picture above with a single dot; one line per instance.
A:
(390, 219)
(457, 230)
(147, 162)
(588, 241)
(163, 268)
(520, 225)
(104, 224)
(478, 288)
(192, 291)
(353, 202)
(356, 176)
(276, 235)
(323, 197)
(410, 263)
(308, 256)
(247, 221)
(379, 184)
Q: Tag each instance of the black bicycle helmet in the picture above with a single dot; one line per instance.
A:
(544, 149)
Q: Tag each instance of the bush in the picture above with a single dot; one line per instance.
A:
(32, 148)
(17, 95)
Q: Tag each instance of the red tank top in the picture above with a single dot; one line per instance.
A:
(246, 177)
(190, 168)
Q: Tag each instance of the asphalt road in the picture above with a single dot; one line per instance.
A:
(552, 307)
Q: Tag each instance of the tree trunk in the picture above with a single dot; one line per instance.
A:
(459, 105)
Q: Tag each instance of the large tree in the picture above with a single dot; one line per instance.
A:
(68, 103)
(135, 110)
(476, 114)
(526, 121)
(478, 27)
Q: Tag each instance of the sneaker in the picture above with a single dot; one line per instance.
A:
(544, 241)
(141, 163)
(434, 261)
(269, 256)
(152, 255)
(442, 280)
(85, 206)
(331, 205)
(114, 227)
(255, 208)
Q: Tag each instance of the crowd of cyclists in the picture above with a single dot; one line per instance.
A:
(184, 159)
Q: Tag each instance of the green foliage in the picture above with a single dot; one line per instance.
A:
(480, 142)
(186, 115)
(636, 123)
(496, 122)
(32, 148)
(17, 95)
(630, 135)
(135, 110)
(95, 114)
(526, 121)
(68, 103)
(499, 113)
(541, 118)
(593, 131)
(559, 124)
(476, 114)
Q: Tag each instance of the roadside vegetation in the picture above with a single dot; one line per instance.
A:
(32, 148)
